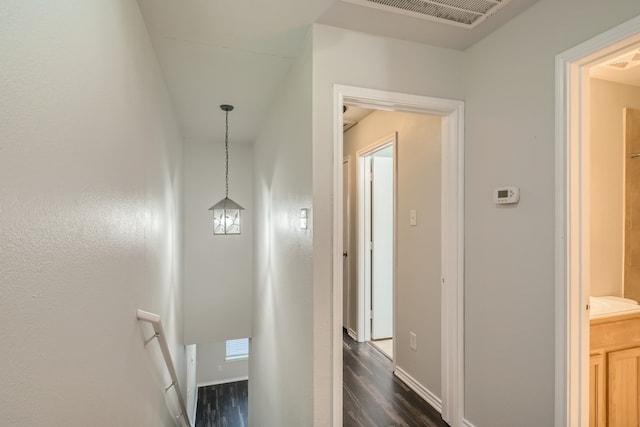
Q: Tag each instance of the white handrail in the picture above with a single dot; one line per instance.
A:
(154, 319)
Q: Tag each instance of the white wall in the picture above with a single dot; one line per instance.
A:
(281, 350)
(217, 269)
(214, 369)
(608, 100)
(346, 57)
(418, 247)
(90, 224)
(509, 251)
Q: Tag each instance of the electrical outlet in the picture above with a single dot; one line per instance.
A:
(412, 340)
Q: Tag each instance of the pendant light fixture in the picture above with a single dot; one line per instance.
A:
(226, 213)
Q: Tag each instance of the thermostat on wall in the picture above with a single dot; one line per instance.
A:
(506, 195)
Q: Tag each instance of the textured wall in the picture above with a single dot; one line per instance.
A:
(382, 63)
(281, 350)
(509, 250)
(90, 217)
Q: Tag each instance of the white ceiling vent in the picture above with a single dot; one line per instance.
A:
(461, 13)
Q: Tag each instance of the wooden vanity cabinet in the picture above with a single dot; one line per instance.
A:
(597, 398)
(622, 382)
(614, 395)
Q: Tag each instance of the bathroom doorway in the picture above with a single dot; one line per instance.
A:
(580, 357)
(614, 193)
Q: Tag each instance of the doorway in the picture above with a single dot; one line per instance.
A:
(451, 230)
(573, 191)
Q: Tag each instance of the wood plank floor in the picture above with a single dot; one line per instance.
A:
(374, 397)
(223, 405)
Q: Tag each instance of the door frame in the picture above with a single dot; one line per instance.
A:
(572, 219)
(347, 230)
(452, 232)
(364, 256)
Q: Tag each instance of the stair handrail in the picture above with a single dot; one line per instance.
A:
(154, 320)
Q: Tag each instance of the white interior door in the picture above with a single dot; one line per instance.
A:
(346, 285)
(382, 247)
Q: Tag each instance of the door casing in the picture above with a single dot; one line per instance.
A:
(452, 232)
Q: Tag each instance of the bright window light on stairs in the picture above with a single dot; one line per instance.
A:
(237, 349)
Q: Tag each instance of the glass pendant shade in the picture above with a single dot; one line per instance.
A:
(226, 217)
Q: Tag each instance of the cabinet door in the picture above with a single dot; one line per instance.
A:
(597, 410)
(623, 393)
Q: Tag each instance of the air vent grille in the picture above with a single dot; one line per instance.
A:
(620, 64)
(624, 61)
(464, 13)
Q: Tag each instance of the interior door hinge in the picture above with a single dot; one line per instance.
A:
(371, 245)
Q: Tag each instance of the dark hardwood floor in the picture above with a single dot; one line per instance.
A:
(223, 405)
(374, 397)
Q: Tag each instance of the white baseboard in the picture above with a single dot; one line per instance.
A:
(424, 393)
(352, 334)
(420, 390)
(226, 380)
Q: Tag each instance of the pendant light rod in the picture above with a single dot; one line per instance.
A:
(226, 108)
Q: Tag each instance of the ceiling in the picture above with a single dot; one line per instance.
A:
(352, 115)
(214, 52)
(621, 67)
